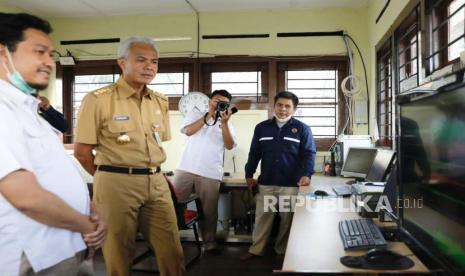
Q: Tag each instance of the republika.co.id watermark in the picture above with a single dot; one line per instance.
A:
(369, 203)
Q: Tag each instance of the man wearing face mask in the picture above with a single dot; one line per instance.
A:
(45, 217)
(287, 152)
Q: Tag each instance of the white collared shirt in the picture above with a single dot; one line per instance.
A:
(203, 151)
(28, 142)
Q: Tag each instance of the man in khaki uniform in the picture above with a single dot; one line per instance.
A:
(126, 123)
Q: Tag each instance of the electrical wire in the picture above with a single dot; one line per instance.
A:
(346, 97)
(366, 80)
(198, 34)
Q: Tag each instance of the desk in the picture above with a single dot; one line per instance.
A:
(235, 205)
(314, 243)
(234, 181)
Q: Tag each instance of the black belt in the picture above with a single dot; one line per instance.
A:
(125, 170)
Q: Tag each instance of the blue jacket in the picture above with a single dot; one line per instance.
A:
(287, 153)
(54, 118)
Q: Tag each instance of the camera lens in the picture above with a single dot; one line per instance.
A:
(222, 106)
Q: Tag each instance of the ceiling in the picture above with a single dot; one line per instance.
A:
(84, 8)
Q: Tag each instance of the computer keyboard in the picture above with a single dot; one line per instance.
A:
(343, 190)
(360, 234)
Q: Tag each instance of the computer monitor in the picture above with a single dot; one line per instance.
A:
(358, 162)
(432, 176)
(390, 210)
(381, 166)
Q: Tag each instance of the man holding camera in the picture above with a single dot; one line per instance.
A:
(201, 167)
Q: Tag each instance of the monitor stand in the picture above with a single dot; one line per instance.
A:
(390, 233)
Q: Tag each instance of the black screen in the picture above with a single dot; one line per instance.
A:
(381, 165)
(432, 156)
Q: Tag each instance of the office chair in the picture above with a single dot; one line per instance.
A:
(187, 219)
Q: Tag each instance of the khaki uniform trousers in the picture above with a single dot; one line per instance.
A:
(132, 202)
(264, 219)
(208, 190)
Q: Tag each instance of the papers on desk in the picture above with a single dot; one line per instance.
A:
(374, 188)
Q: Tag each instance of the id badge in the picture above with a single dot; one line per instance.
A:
(157, 137)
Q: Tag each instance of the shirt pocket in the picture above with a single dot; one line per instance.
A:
(116, 128)
(157, 128)
(158, 124)
(36, 142)
(291, 144)
(267, 143)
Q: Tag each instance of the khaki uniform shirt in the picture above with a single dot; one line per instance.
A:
(115, 110)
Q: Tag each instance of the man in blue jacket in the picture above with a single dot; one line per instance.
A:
(287, 151)
(51, 115)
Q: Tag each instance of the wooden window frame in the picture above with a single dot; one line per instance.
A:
(327, 63)
(228, 64)
(410, 27)
(384, 62)
(436, 14)
(200, 70)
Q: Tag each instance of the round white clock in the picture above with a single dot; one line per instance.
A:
(193, 102)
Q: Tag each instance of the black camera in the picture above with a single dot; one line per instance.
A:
(222, 106)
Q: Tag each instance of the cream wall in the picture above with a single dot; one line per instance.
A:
(4, 8)
(376, 33)
(354, 21)
(244, 123)
(244, 133)
(351, 20)
(359, 23)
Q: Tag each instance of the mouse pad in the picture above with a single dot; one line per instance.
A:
(360, 262)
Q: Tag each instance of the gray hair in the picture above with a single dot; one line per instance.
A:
(125, 46)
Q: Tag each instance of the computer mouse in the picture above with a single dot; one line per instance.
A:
(382, 257)
(320, 193)
(350, 182)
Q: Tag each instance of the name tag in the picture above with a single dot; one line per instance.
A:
(120, 118)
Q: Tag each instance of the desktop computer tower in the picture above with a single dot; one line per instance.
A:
(341, 148)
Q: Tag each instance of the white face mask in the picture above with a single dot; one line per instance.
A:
(15, 77)
(282, 120)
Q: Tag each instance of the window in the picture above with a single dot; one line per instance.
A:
(321, 103)
(253, 82)
(171, 84)
(246, 80)
(455, 29)
(446, 32)
(244, 84)
(384, 100)
(408, 61)
(317, 92)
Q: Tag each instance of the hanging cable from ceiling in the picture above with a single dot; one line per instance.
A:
(198, 25)
(366, 78)
(198, 37)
